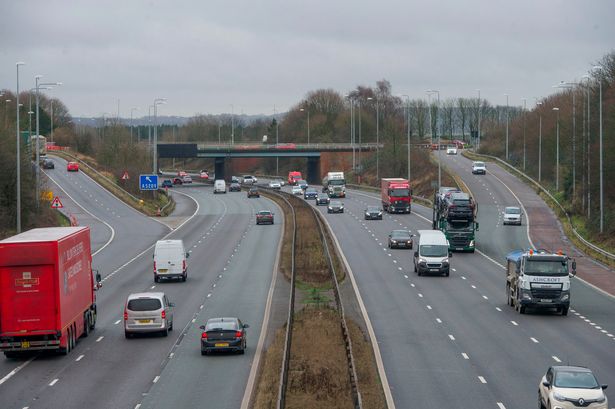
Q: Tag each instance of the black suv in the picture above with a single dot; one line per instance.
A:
(458, 206)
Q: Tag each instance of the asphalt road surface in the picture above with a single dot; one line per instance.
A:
(229, 272)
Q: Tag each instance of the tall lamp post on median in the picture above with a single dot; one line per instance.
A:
(570, 86)
(507, 120)
(478, 125)
(377, 136)
(157, 102)
(408, 131)
(588, 78)
(18, 157)
(600, 68)
(307, 109)
(539, 104)
(524, 151)
(429, 92)
(352, 128)
(557, 151)
(37, 167)
(131, 111)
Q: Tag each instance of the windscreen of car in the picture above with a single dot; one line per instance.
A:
(336, 203)
(337, 182)
(461, 202)
(512, 210)
(144, 304)
(373, 209)
(399, 192)
(400, 234)
(434, 250)
(221, 325)
(574, 379)
(302, 182)
(310, 190)
(264, 213)
(557, 268)
(479, 164)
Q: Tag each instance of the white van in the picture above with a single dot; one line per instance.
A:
(432, 253)
(170, 260)
(219, 186)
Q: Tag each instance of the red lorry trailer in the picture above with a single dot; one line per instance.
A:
(396, 195)
(47, 290)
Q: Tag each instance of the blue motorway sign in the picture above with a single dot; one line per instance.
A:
(148, 182)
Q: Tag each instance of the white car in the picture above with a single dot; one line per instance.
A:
(296, 190)
(451, 150)
(249, 180)
(571, 387)
(512, 215)
(187, 179)
(479, 168)
(275, 184)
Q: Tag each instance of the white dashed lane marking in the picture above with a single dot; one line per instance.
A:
(53, 382)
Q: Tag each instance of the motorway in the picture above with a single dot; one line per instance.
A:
(453, 342)
(229, 273)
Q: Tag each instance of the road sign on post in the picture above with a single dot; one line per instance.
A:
(125, 175)
(56, 203)
(148, 182)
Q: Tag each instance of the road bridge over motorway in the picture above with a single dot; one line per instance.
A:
(221, 152)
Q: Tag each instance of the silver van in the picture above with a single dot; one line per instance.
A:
(147, 313)
(432, 254)
(219, 186)
(170, 260)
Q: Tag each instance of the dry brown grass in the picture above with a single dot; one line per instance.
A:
(318, 370)
(266, 391)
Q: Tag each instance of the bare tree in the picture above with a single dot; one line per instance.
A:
(448, 109)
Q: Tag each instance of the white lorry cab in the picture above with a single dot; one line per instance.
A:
(334, 184)
(432, 254)
(170, 260)
(539, 279)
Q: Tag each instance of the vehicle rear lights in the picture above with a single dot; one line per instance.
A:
(184, 265)
(238, 334)
(125, 315)
(154, 267)
(204, 335)
(163, 314)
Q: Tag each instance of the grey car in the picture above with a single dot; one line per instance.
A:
(224, 335)
(335, 206)
(148, 313)
(400, 239)
(373, 213)
(322, 199)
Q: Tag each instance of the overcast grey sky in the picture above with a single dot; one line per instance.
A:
(204, 55)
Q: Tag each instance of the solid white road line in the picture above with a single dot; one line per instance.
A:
(156, 379)
(54, 382)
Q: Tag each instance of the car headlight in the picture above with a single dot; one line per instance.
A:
(422, 261)
(471, 243)
(366, 213)
(565, 296)
(559, 397)
(526, 294)
(394, 241)
(445, 261)
(330, 208)
(379, 213)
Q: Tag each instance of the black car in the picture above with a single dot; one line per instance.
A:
(234, 187)
(167, 183)
(400, 239)
(310, 193)
(303, 184)
(223, 334)
(253, 192)
(459, 206)
(335, 206)
(48, 164)
(322, 199)
(373, 213)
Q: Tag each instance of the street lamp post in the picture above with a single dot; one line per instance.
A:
(277, 141)
(478, 141)
(157, 102)
(37, 167)
(51, 118)
(570, 86)
(599, 67)
(506, 126)
(539, 141)
(524, 109)
(434, 91)
(18, 157)
(232, 124)
(377, 136)
(408, 132)
(131, 111)
(307, 109)
(587, 77)
(6, 110)
(557, 152)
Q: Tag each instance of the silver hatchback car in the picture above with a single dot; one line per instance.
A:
(147, 313)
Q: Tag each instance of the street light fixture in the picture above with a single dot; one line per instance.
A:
(18, 157)
(352, 129)
(524, 109)
(557, 152)
(588, 78)
(408, 131)
(157, 102)
(479, 104)
(377, 136)
(539, 103)
(507, 120)
(429, 92)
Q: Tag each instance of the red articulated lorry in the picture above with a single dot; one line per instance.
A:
(396, 195)
(47, 290)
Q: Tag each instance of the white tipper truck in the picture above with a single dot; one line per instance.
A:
(539, 279)
(334, 184)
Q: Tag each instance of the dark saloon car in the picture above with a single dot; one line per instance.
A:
(335, 206)
(253, 192)
(167, 183)
(178, 181)
(234, 187)
(373, 213)
(264, 216)
(223, 334)
(48, 164)
(310, 193)
(400, 239)
(322, 199)
(302, 184)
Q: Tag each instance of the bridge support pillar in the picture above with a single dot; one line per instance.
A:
(219, 168)
(313, 170)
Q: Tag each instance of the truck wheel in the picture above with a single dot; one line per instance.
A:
(86, 325)
(93, 316)
(184, 277)
(564, 311)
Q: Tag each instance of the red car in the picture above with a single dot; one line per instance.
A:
(178, 181)
(182, 173)
(264, 216)
(72, 167)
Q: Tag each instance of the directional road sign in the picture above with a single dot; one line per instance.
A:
(148, 182)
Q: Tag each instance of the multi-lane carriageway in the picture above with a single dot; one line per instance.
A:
(230, 273)
(444, 342)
